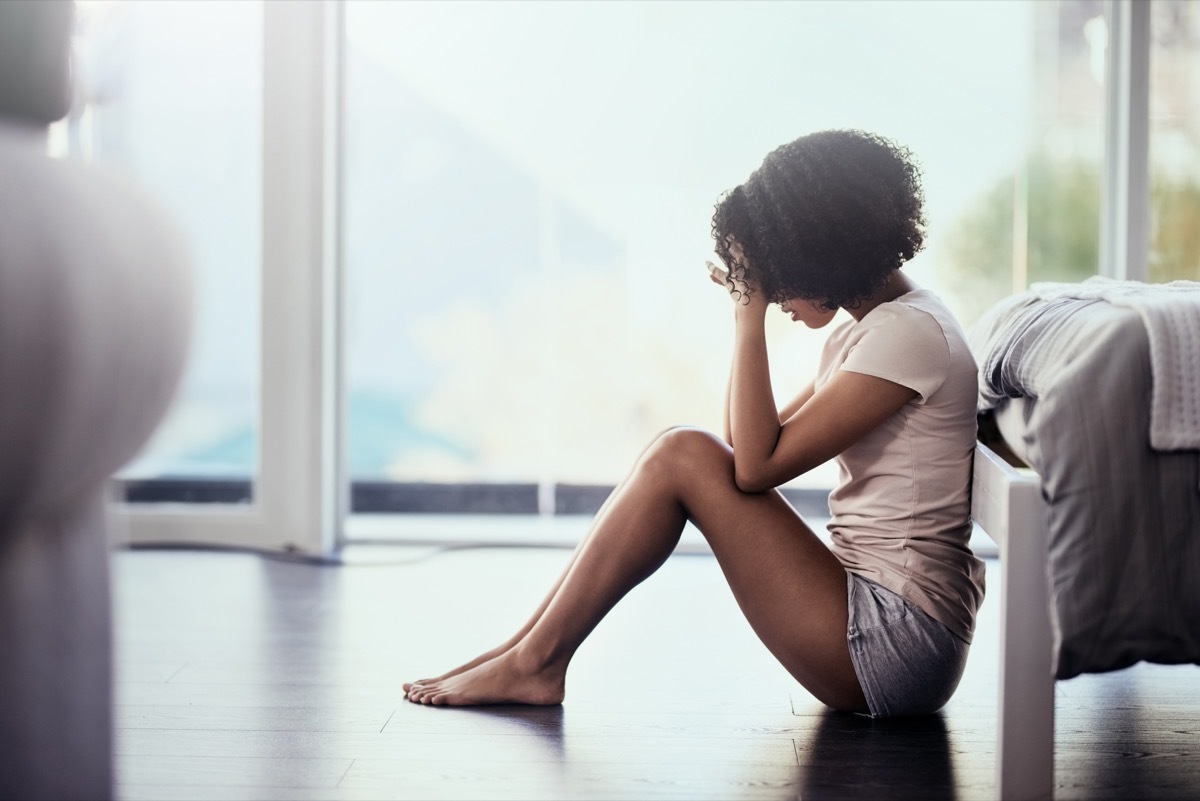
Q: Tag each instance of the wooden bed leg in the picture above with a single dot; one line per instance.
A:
(1026, 747)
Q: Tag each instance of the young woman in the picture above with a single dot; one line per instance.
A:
(880, 623)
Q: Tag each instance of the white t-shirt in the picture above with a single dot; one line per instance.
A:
(901, 512)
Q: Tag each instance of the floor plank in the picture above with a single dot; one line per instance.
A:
(273, 772)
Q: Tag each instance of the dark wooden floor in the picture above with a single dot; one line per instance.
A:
(245, 677)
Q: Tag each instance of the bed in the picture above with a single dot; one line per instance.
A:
(1087, 476)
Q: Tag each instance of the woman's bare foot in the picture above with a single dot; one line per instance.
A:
(463, 668)
(502, 680)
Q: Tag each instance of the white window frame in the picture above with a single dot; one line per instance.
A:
(299, 498)
(1125, 201)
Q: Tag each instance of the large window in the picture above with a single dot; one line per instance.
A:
(1174, 141)
(518, 197)
(1039, 219)
(529, 188)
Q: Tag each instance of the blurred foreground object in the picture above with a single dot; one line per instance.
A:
(94, 311)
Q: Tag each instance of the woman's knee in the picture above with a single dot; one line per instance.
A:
(684, 450)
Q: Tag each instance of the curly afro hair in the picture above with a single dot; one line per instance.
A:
(826, 218)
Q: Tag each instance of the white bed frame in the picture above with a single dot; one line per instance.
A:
(1007, 504)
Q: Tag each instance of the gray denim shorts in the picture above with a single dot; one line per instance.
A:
(907, 662)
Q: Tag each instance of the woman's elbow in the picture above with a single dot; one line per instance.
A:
(750, 481)
(764, 476)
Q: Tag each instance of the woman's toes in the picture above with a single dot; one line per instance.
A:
(425, 693)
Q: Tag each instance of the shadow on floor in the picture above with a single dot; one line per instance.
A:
(851, 755)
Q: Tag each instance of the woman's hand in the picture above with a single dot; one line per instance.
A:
(716, 274)
(745, 295)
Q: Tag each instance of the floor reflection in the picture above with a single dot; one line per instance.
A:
(542, 722)
(855, 756)
(541, 772)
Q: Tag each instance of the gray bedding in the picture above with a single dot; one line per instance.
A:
(1124, 520)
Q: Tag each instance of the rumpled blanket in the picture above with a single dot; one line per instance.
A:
(1123, 519)
(1171, 314)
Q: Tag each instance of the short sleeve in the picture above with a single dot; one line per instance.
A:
(903, 345)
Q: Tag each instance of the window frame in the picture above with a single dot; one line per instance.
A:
(298, 498)
(1125, 200)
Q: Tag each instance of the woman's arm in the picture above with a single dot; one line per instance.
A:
(753, 418)
(728, 429)
(787, 411)
(795, 403)
(771, 451)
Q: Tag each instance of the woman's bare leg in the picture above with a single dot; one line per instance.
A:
(516, 638)
(788, 584)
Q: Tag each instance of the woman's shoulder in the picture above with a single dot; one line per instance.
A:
(918, 316)
(921, 314)
(913, 340)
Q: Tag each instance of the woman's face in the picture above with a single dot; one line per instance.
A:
(808, 312)
(802, 311)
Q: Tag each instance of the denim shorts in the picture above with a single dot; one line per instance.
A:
(907, 662)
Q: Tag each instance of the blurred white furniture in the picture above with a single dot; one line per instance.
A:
(94, 310)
